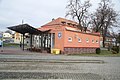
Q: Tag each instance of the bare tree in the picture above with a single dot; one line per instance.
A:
(117, 39)
(79, 11)
(104, 18)
(116, 36)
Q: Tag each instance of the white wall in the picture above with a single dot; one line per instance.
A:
(7, 35)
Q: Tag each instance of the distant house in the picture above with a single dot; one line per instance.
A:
(17, 37)
(109, 40)
(7, 37)
(69, 39)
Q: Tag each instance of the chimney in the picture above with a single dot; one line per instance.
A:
(53, 19)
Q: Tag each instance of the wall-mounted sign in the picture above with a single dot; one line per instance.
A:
(59, 34)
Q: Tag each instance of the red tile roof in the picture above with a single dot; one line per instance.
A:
(60, 21)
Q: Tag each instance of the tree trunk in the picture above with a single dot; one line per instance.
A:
(79, 26)
(103, 41)
(104, 36)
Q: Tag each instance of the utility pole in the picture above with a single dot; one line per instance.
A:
(23, 37)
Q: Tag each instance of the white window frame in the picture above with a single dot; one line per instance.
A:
(79, 40)
(96, 41)
(87, 40)
(70, 39)
(93, 41)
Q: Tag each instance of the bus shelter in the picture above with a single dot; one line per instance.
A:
(44, 36)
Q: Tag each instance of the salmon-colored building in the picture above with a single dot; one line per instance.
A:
(69, 39)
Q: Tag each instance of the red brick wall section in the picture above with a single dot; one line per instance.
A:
(79, 50)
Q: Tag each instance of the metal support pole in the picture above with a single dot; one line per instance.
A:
(44, 40)
(30, 40)
(51, 41)
(47, 40)
(41, 41)
(23, 41)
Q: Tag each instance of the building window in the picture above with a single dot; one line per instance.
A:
(70, 39)
(96, 41)
(79, 40)
(63, 22)
(92, 41)
(87, 40)
(69, 24)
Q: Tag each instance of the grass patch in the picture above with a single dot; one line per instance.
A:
(104, 53)
(11, 45)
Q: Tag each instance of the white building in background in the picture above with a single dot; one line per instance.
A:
(7, 37)
(17, 37)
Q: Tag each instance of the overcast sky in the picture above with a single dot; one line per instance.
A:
(35, 12)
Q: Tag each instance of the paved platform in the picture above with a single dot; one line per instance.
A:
(16, 64)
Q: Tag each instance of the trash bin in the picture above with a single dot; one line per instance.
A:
(55, 51)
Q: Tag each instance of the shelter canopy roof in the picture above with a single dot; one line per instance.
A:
(25, 28)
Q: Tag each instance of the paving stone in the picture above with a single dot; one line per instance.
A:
(110, 70)
(38, 75)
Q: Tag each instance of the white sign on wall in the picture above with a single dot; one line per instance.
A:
(59, 34)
